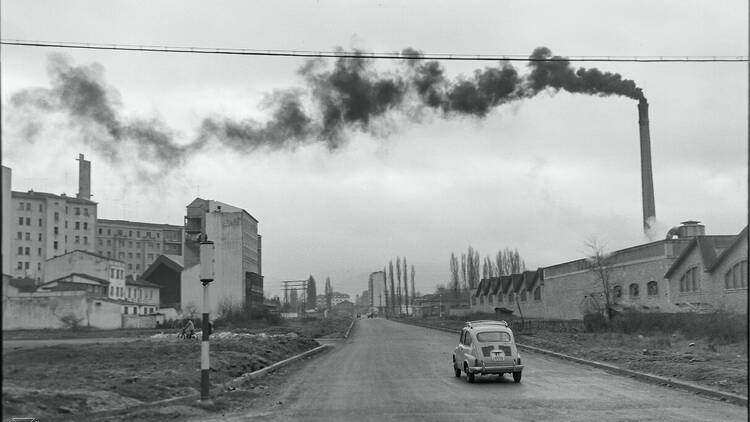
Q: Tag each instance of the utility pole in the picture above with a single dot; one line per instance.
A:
(206, 277)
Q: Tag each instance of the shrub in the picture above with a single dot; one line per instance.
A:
(718, 326)
(71, 321)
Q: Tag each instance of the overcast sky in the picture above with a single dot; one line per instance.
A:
(542, 174)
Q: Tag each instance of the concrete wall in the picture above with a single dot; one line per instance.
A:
(138, 321)
(46, 310)
(733, 300)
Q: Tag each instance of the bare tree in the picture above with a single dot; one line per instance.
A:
(311, 293)
(455, 277)
(385, 289)
(406, 286)
(413, 292)
(473, 265)
(329, 293)
(393, 292)
(465, 285)
(398, 287)
(600, 263)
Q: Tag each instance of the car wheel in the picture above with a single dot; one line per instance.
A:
(456, 370)
(469, 375)
(517, 376)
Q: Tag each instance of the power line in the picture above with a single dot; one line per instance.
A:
(360, 54)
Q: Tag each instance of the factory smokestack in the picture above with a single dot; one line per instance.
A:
(84, 178)
(647, 181)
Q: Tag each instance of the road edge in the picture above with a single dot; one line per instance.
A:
(270, 368)
(346, 335)
(669, 382)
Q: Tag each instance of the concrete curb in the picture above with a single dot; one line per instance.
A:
(275, 366)
(346, 335)
(695, 388)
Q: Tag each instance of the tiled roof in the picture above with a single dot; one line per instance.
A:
(86, 276)
(24, 284)
(708, 246)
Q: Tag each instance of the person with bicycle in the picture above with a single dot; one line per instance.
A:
(188, 331)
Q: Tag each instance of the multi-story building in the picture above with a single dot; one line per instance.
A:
(137, 244)
(44, 225)
(376, 291)
(7, 218)
(237, 256)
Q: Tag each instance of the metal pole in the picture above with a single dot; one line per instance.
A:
(206, 277)
(205, 366)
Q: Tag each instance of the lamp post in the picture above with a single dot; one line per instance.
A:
(206, 277)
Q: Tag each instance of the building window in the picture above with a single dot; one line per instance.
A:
(20, 264)
(126, 310)
(66, 210)
(617, 292)
(85, 225)
(100, 242)
(78, 225)
(109, 242)
(54, 244)
(130, 266)
(122, 242)
(78, 239)
(27, 250)
(109, 254)
(736, 277)
(130, 234)
(634, 290)
(28, 221)
(20, 221)
(40, 208)
(122, 255)
(39, 266)
(138, 234)
(100, 231)
(130, 243)
(109, 232)
(538, 293)
(652, 288)
(20, 206)
(40, 222)
(39, 251)
(158, 235)
(78, 211)
(523, 295)
(20, 250)
(130, 255)
(20, 236)
(28, 236)
(28, 206)
(137, 267)
(86, 212)
(137, 255)
(26, 265)
(119, 232)
(85, 240)
(66, 224)
(57, 216)
(689, 281)
(148, 234)
(150, 257)
(489, 299)
(40, 237)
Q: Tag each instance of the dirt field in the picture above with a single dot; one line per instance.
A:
(70, 380)
(718, 366)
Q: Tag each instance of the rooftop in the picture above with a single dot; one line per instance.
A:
(126, 223)
(44, 195)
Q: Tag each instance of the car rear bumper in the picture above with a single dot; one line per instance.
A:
(484, 370)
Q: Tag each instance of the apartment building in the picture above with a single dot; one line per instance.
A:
(137, 244)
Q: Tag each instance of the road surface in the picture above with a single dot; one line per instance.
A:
(388, 371)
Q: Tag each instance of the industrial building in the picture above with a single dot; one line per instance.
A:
(238, 278)
(686, 271)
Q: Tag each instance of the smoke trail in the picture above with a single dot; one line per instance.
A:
(349, 96)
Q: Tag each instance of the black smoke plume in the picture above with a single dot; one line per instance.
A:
(349, 96)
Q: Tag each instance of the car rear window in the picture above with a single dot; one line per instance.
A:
(488, 336)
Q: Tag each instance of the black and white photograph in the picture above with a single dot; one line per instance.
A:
(374, 210)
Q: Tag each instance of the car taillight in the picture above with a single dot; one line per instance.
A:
(519, 360)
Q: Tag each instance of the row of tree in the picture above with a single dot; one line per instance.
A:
(399, 300)
(465, 269)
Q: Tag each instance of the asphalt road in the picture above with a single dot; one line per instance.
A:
(388, 371)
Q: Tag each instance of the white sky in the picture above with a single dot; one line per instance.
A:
(542, 175)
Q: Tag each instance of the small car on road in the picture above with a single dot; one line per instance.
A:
(487, 347)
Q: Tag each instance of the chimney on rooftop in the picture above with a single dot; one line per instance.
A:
(84, 178)
(647, 180)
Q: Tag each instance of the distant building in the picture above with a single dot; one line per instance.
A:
(166, 272)
(377, 292)
(7, 218)
(78, 265)
(137, 244)
(44, 225)
(336, 298)
(237, 256)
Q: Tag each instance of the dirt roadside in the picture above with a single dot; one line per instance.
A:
(718, 366)
(65, 381)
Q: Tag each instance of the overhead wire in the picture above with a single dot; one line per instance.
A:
(361, 54)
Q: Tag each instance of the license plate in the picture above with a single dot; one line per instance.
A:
(500, 355)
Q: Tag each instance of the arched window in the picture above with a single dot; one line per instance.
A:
(499, 298)
(538, 293)
(690, 281)
(523, 295)
(634, 290)
(617, 292)
(489, 299)
(481, 300)
(511, 297)
(736, 276)
(652, 288)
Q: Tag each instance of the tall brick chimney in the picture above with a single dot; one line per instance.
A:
(647, 180)
(84, 178)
